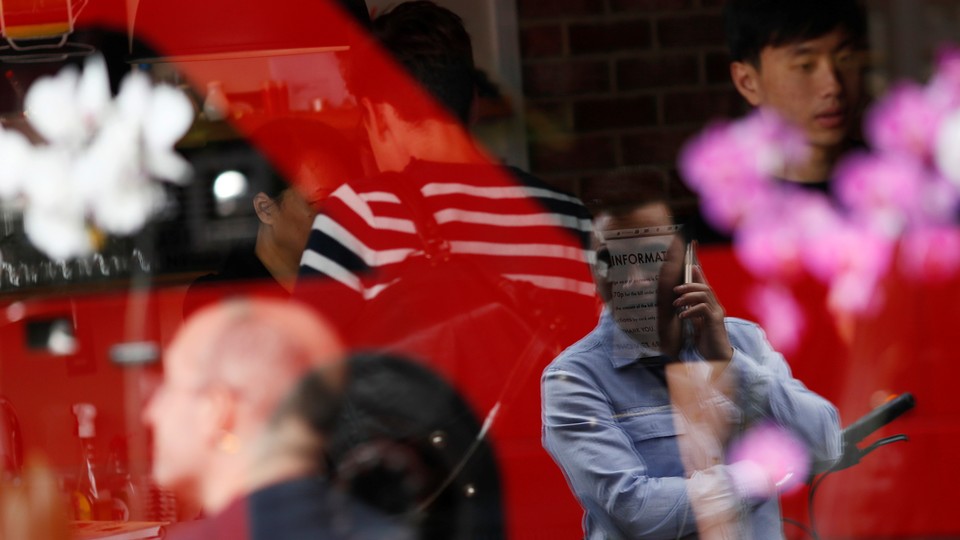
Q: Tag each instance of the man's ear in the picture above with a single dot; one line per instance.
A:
(746, 77)
(217, 410)
(373, 118)
(263, 205)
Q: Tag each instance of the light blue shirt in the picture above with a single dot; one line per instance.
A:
(608, 422)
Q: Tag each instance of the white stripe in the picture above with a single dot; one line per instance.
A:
(591, 256)
(512, 220)
(380, 196)
(359, 207)
(518, 250)
(318, 262)
(556, 283)
(374, 291)
(371, 257)
(495, 192)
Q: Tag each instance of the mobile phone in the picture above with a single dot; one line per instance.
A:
(689, 261)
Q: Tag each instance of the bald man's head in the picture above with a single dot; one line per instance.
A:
(225, 372)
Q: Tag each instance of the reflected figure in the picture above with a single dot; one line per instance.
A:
(224, 436)
(476, 270)
(317, 160)
(408, 444)
(32, 507)
(639, 415)
(804, 60)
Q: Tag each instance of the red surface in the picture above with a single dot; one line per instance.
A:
(901, 491)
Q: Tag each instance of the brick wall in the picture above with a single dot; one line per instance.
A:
(613, 84)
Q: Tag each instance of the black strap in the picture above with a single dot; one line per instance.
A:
(435, 246)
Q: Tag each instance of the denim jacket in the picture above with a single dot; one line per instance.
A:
(609, 423)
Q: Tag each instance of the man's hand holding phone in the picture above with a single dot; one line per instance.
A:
(696, 302)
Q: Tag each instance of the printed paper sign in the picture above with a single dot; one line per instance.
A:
(636, 257)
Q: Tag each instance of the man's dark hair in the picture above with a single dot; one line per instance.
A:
(752, 25)
(432, 45)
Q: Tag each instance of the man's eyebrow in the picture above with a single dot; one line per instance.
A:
(801, 49)
(847, 43)
(804, 47)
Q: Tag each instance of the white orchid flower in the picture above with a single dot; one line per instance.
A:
(102, 158)
(93, 94)
(52, 108)
(167, 119)
(61, 236)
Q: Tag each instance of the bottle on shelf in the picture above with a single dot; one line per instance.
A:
(120, 488)
(86, 497)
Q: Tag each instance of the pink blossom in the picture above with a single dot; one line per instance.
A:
(767, 247)
(731, 164)
(944, 86)
(847, 248)
(777, 451)
(883, 189)
(930, 253)
(905, 122)
(939, 202)
(779, 314)
(856, 292)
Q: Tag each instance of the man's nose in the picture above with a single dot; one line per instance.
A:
(831, 82)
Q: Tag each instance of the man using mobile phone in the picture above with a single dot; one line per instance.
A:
(641, 412)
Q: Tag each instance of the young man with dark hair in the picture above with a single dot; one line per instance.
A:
(801, 58)
(415, 118)
(418, 257)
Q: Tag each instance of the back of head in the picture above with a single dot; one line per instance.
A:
(752, 25)
(433, 47)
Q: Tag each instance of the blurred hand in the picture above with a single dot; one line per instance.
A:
(697, 304)
(33, 510)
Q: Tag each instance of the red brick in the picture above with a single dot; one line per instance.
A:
(701, 106)
(614, 113)
(690, 31)
(544, 40)
(657, 71)
(717, 67)
(548, 118)
(650, 5)
(610, 37)
(654, 148)
(564, 182)
(681, 196)
(566, 154)
(536, 9)
(565, 78)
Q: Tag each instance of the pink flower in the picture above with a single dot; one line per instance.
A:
(857, 292)
(767, 247)
(944, 86)
(939, 201)
(778, 453)
(904, 122)
(930, 253)
(883, 189)
(846, 248)
(779, 314)
(731, 164)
